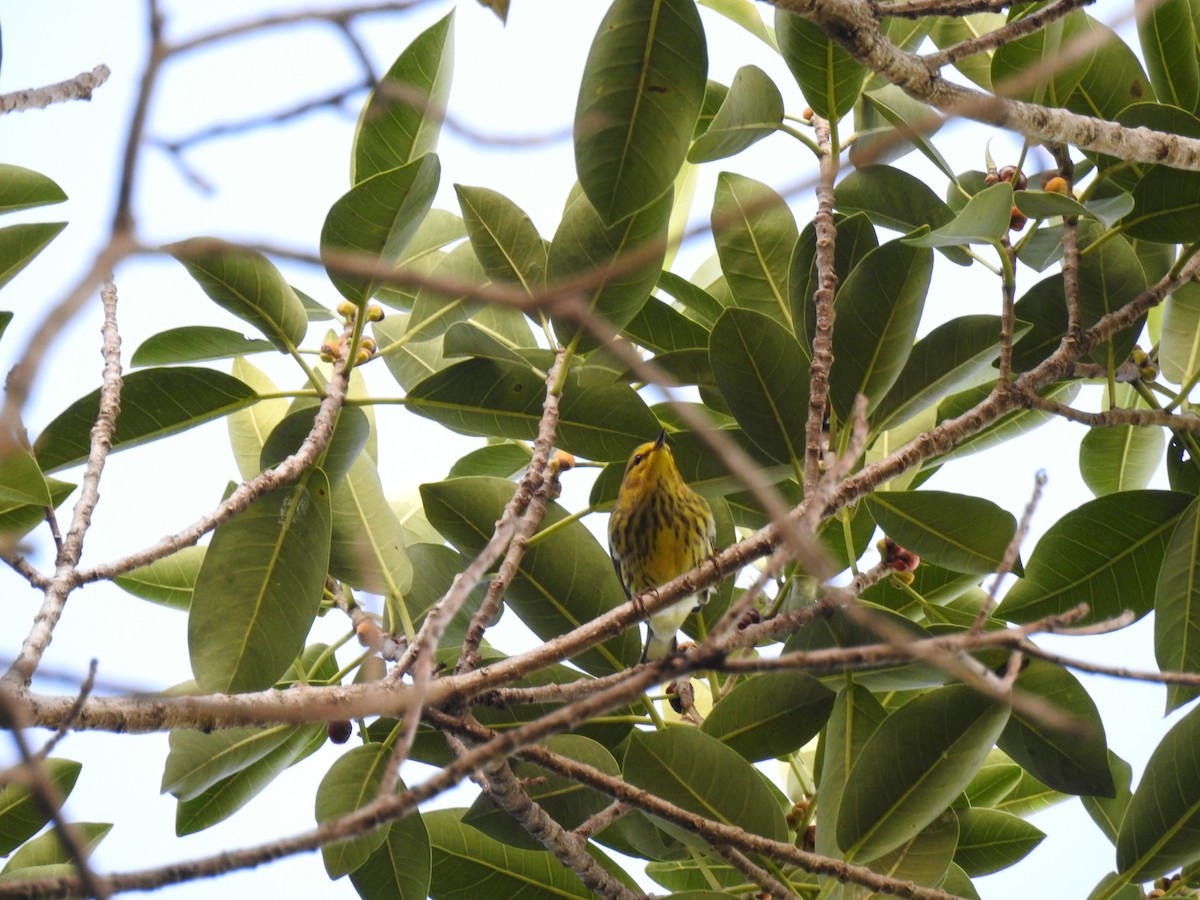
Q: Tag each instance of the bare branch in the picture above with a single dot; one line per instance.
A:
(54, 597)
(822, 340)
(852, 26)
(78, 88)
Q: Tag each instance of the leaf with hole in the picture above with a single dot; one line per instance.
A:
(642, 88)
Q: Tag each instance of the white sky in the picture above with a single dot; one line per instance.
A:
(277, 185)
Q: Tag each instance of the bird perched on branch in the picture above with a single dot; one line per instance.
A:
(659, 529)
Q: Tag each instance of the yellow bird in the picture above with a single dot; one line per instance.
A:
(659, 529)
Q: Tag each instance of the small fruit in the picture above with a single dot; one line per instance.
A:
(1058, 185)
(347, 310)
(339, 730)
(1016, 220)
(1013, 175)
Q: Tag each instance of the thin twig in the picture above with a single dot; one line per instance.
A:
(72, 715)
(822, 338)
(773, 887)
(1011, 551)
(49, 798)
(78, 88)
(54, 597)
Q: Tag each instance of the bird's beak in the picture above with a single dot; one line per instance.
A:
(661, 440)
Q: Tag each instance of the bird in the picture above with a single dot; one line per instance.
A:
(659, 528)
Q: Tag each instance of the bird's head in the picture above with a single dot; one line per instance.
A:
(649, 465)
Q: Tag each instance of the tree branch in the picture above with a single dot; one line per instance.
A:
(78, 88)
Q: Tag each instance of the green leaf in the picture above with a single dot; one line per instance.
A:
(402, 118)
(841, 629)
(168, 581)
(495, 399)
(755, 234)
(702, 775)
(195, 343)
(1106, 553)
(1169, 44)
(1110, 275)
(703, 306)
(501, 460)
(367, 549)
(198, 760)
(878, 309)
(950, 356)
(1114, 77)
(250, 425)
(21, 812)
(984, 220)
(763, 375)
(751, 110)
(567, 801)
(1179, 349)
(855, 716)
(408, 361)
(855, 239)
(1107, 812)
(260, 587)
(1003, 429)
(990, 840)
(434, 567)
(923, 860)
(18, 519)
(830, 78)
(247, 285)
(437, 230)
(504, 237)
(434, 310)
(465, 858)
(772, 715)
(948, 30)
(1121, 458)
(21, 480)
(1177, 606)
(1161, 828)
(345, 444)
(351, 782)
(746, 14)
(19, 244)
(154, 403)
(402, 866)
(891, 125)
(892, 198)
(22, 188)
(373, 222)
(48, 849)
(913, 766)
(642, 88)
(1045, 204)
(563, 581)
(618, 264)
(956, 531)
(661, 329)
(1166, 207)
(1013, 60)
(1072, 758)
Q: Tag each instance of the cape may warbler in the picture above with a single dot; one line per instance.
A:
(659, 529)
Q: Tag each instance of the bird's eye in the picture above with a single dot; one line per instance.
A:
(638, 457)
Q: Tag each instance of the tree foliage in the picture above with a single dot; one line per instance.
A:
(856, 633)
